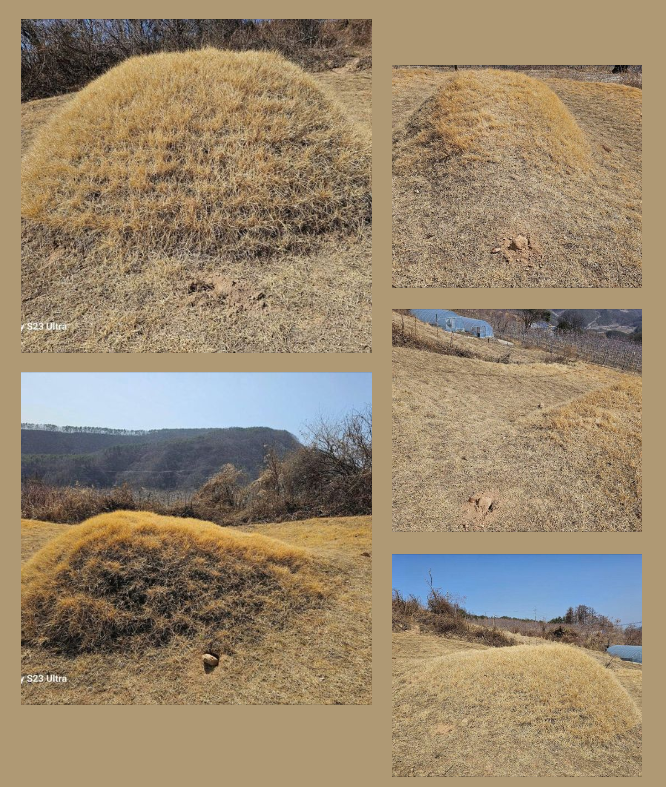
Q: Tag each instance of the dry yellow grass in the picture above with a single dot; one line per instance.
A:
(35, 534)
(545, 710)
(124, 279)
(239, 153)
(492, 115)
(556, 447)
(489, 155)
(291, 623)
(131, 580)
(331, 533)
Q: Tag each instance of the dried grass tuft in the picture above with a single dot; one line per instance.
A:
(491, 115)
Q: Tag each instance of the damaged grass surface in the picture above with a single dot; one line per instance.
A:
(529, 710)
(484, 157)
(486, 446)
(129, 230)
(126, 604)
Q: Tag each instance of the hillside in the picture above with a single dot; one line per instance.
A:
(507, 180)
(625, 320)
(203, 201)
(286, 607)
(464, 709)
(160, 460)
(501, 439)
(54, 441)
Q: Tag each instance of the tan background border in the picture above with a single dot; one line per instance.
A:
(342, 745)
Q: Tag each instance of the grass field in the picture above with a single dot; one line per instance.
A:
(462, 709)
(149, 231)
(519, 445)
(483, 157)
(126, 605)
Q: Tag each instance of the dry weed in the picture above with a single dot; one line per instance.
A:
(295, 648)
(116, 293)
(135, 580)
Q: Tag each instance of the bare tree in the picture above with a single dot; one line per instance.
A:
(531, 316)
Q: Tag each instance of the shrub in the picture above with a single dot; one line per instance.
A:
(60, 55)
(71, 505)
(330, 476)
(220, 496)
(442, 615)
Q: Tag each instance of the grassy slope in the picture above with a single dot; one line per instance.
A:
(318, 302)
(557, 447)
(587, 224)
(324, 659)
(442, 732)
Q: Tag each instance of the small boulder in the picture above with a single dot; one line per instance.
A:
(485, 504)
(210, 661)
(519, 243)
(496, 250)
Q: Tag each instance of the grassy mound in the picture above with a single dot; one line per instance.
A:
(132, 580)
(493, 115)
(502, 180)
(507, 708)
(209, 151)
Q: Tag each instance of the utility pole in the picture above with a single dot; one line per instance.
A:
(535, 614)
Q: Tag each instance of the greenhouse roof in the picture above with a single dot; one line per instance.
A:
(627, 652)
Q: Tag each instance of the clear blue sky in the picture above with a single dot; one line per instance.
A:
(172, 400)
(515, 584)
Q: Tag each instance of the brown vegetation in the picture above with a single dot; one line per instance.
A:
(196, 152)
(83, 267)
(482, 157)
(331, 475)
(533, 710)
(443, 617)
(285, 609)
(61, 55)
(481, 446)
(132, 580)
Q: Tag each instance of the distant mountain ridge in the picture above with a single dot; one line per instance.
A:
(625, 320)
(166, 459)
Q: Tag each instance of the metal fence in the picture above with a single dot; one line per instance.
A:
(586, 345)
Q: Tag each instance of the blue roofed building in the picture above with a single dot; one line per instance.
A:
(627, 652)
(450, 321)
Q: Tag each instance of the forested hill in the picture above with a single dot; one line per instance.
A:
(605, 319)
(162, 459)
